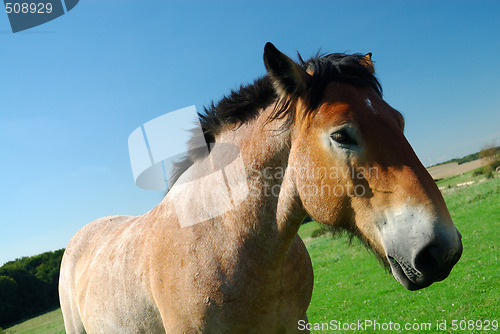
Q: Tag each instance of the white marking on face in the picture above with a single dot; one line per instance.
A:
(412, 224)
(369, 104)
(404, 232)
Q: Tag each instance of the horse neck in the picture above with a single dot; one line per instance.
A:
(269, 210)
(273, 207)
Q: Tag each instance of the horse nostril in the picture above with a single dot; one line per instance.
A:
(431, 261)
(435, 260)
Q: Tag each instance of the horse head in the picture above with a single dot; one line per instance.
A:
(356, 171)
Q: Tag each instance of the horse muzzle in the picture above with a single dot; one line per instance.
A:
(420, 251)
(432, 264)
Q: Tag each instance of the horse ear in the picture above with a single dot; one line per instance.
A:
(367, 62)
(288, 77)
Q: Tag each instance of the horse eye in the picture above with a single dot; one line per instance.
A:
(342, 137)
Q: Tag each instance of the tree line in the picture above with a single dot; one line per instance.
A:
(28, 286)
(488, 150)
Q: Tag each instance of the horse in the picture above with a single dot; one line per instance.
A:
(312, 138)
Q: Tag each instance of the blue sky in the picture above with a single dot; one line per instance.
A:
(73, 89)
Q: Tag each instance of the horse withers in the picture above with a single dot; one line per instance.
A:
(312, 138)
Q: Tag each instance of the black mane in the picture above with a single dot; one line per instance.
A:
(337, 67)
(245, 104)
(237, 107)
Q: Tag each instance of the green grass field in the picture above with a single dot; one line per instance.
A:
(351, 286)
(48, 323)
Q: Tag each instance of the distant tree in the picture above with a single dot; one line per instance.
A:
(28, 286)
(489, 154)
(9, 294)
(467, 158)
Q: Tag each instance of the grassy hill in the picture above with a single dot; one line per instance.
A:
(351, 286)
(48, 323)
